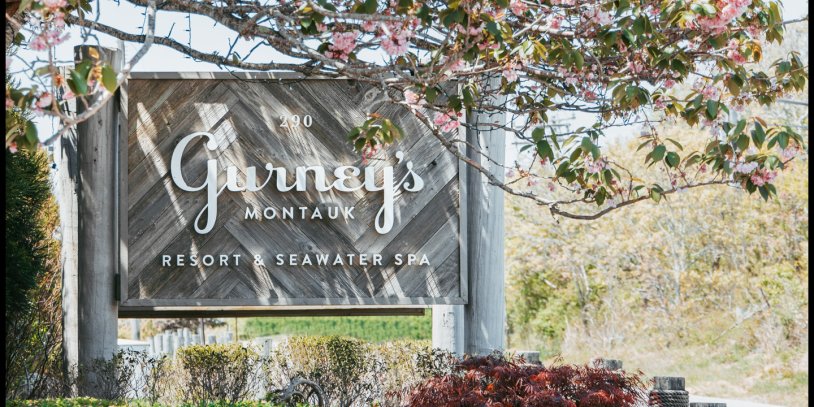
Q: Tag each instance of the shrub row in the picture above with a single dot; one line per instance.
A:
(352, 373)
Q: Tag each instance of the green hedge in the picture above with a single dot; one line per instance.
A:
(372, 328)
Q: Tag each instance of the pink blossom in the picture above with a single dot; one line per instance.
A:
(38, 43)
(703, 168)
(745, 167)
(754, 31)
(44, 100)
(395, 39)
(458, 65)
(12, 147)
(635, 67)
(736, 56)
(368, 151)
(762, 177)
(510, 73)
(54, 4)
(554, 21)
(343, 44)
(786, 153)
(518, 7)
(510, 173)
(551, 186)
(447, 121)
(669, 83)
(473, 31)
(710, 92)
(598, 17)
(659, 104)
(411, 97)
(321, 27)
(59, 20)
(68, 95)
(369, 25)
(53, 37)
(594, 167)
(9, 103)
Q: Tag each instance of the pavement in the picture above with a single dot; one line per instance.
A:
(729, 402)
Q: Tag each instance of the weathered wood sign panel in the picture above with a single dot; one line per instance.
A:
(247, 193)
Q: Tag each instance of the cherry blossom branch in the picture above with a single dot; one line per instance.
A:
(70, 122)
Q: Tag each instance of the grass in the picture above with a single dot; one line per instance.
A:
(372, 329)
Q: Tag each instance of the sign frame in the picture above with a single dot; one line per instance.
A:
(187, 307)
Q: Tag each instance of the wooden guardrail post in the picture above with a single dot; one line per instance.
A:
(668, 392)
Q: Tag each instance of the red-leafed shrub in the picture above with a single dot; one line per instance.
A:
(495, 380)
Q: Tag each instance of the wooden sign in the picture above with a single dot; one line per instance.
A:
(245, 192)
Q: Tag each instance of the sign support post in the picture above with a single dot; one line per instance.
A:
(479, 327)
(485, 313)
(97, 256)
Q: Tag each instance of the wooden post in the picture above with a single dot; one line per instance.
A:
(448, 328)
(97, 265)
(485, 313)
(66, 189)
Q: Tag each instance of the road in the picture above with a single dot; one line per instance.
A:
(729, 402)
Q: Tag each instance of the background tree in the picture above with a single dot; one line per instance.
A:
(615, 60)
(710, 285)
(33, 319)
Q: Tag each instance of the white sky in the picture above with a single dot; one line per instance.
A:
(207, 36)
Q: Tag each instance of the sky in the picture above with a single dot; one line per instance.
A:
(207, 36)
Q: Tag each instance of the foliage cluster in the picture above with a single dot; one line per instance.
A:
(222, 372)
(33, 316)
(618, 62)
(711, 270)
(497, 380)
(356, 373)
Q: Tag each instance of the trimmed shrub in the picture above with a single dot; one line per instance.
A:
(342, 366)
(497, 380)
(217, 373)
(355, 373)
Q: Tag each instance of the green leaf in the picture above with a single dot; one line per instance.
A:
(83, 69)
(109, 78)
(370, 6)
(78, 84)
(31, 133)
(538, 134)
(658, 152)
(712, 109)
(544, 149)
(764, 193)
(743, 142)
(739, 127)
(494, 29)
(672, 159)
(783, 140)
(758, 135)
(655, 195)
(675, 143)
